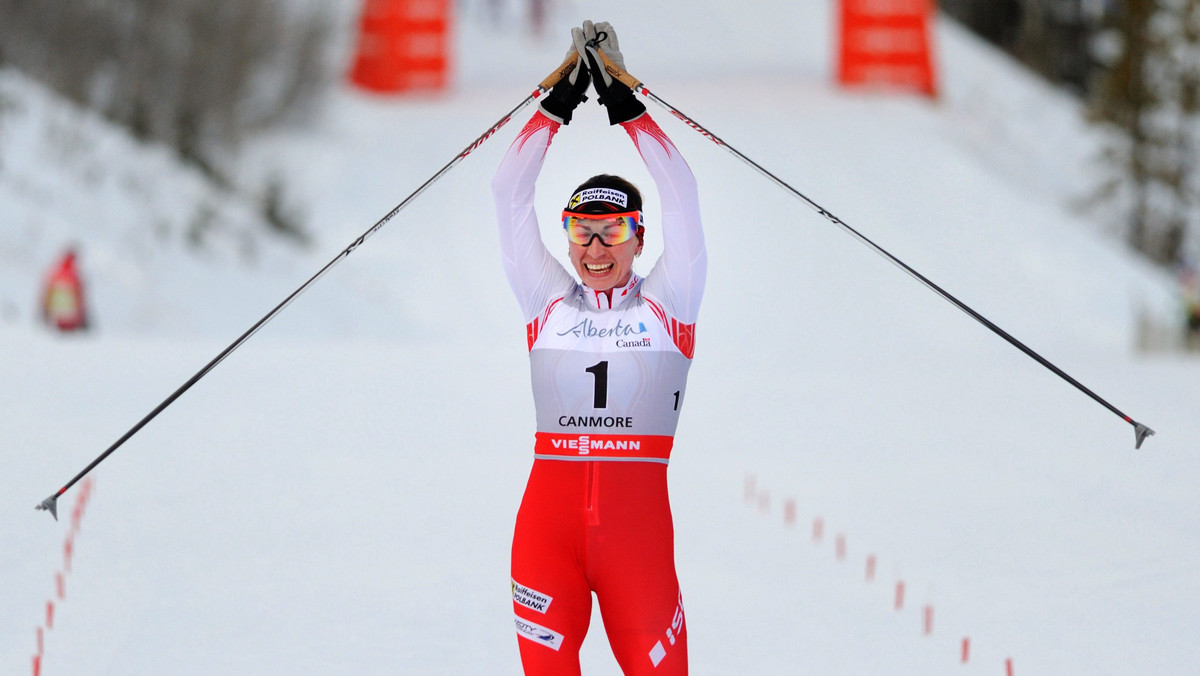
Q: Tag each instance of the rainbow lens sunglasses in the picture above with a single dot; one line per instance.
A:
(612, 229)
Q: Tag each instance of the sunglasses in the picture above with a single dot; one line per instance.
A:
(612, 229)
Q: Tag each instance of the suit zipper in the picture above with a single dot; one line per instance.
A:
(593, 491)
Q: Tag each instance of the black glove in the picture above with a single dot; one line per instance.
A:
(614, 95)
(568, 93)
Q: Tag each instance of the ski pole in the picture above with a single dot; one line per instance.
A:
(50, 504)
(1140, 430)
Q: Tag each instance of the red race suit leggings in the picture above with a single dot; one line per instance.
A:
(602, 527)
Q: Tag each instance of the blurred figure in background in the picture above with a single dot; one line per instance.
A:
(1190, 286)
(63, 306)
(534, 13)
(537, 16)
(8, 311)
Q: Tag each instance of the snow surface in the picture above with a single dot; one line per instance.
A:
(337, 497)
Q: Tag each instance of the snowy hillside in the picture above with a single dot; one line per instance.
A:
(67, 176)
(338, 496)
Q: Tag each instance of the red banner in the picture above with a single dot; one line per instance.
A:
(887, 42)
(404, 45)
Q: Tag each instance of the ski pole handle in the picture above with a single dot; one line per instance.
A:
(562, 71)
(617, 73)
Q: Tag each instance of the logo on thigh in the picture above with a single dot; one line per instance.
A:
(659, 651)
(538, 634)
(531, 598)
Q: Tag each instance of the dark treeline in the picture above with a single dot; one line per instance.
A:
(1136, 64)
(1053, 37)
(196, 74)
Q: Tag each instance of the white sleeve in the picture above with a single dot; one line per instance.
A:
(533, 273)
(677, 279)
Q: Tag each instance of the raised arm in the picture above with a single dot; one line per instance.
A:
(533, 273)
(678, 277)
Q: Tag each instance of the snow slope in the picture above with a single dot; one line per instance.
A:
(338, 496)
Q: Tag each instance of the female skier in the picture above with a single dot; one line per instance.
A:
(609, 356)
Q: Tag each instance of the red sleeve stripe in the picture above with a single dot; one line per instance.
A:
(531, 331)
(533, 126)
(534, 328)
(684, 335)
(646, 125)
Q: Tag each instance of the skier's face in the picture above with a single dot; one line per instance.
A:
(601, 267)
